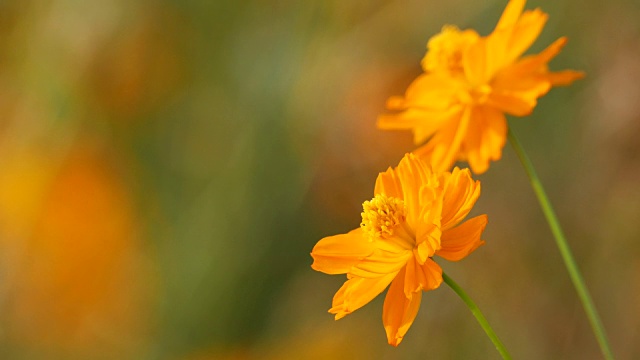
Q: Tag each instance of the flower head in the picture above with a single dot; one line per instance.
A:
(470, 82)
(414, 215)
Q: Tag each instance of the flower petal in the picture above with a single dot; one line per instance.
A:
(337, 254)
(399, 311)
(485, 139)
(429, 103)
(517, 87)
(423, 122)
(435, 91)
(534, 63)
(538, 64)
(442, 149)
(357, 292)
(463, 239)
(433, 275)
(511, 14)
(523, 102)
(428, 230)
(425, 277)
(380, 263)
(388, 183)
(412, 173)
(564, 78)
(429, 242)
(460, 194)
(477, 61)
(513, 35)
(524, 33)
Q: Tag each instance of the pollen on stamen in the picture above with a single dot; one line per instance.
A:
(381, 215)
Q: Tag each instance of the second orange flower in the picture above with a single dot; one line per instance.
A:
(458, 104)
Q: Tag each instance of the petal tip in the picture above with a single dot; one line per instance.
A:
(395, 341)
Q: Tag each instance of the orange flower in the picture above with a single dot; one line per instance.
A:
(413, 216)
(470, 82)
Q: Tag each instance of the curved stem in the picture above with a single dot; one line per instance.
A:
(565, 250)
(478, 314)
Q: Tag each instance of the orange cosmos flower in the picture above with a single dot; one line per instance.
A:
(414, 215)
(470, 82)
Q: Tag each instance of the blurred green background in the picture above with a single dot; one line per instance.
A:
(166, 167)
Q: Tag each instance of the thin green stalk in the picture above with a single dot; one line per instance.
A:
(565, 250)
(478, 314)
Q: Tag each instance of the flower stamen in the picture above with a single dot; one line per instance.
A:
(381, 215)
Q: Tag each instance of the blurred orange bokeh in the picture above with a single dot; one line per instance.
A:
(72, 246)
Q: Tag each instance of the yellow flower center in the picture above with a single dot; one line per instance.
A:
(445, 49)
(381, 215)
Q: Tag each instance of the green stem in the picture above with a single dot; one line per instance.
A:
(478, 314)
(565, 250)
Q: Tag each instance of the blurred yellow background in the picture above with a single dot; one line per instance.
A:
(166, 167)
